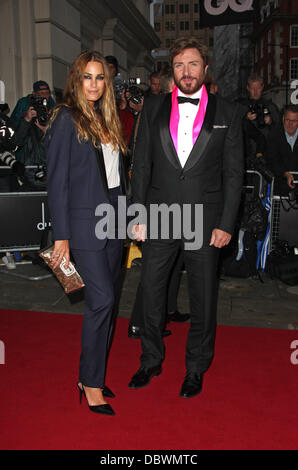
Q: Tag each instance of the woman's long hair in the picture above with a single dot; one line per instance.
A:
(101, 123)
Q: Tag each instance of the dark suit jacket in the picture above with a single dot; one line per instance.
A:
(213, 173)
(76, 184)
(280, 156)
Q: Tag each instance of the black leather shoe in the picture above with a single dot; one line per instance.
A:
(177, 316)
(143, 376)
(191, 386)
(137, 331)
(107, 392)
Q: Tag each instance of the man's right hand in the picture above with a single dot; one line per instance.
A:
(139, 232)
(251, 116)
(31, 113)
(290, 179)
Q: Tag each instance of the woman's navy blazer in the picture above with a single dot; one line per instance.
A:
(76, 184)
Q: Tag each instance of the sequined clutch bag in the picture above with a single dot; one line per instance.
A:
(69, 277)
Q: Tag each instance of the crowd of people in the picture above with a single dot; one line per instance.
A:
(177, 142)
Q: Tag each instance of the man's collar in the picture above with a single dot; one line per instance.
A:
(294, 136)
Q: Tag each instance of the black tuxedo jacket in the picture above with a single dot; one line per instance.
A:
(213, 173)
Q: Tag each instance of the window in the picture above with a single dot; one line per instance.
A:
(262, 48)
(172, 9)
(196, 8)
(157, 27)
(269, 41)
(196, 25)
(269, 72)
(293, 69)
(294, 35)
(183, 8)
(167, 9)
(184, 25)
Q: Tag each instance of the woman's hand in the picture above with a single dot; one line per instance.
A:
(61, 249)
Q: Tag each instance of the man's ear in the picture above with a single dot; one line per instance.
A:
(206, 69)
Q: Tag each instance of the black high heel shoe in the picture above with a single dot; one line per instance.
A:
(105, 409)
(107, 392)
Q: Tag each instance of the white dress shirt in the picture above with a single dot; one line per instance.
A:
(187, 115)
(111, 159)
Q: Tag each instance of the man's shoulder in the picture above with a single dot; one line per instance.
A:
(223, 105)
(154, 101)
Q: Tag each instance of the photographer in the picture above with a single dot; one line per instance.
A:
(30, 133)
(282, 151)
(259, 117)
(263, 113)
(40, 90)
(8, 146)
(130, 106)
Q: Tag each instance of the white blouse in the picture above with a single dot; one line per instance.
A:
(111, 159)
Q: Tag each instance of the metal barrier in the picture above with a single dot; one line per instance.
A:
(288, 226)
(24, 216)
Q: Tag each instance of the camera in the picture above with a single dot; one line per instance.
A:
(41, 106)
(7, 134)
(119, 86)
(8, 159)
(40, 174)
(136, 94)
(293, 194)
(260, 165)
(261, 111)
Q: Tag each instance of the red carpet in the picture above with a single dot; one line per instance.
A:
(249, 397)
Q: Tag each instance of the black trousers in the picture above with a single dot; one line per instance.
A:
(99, 270)
(137, 316)
(201, 267)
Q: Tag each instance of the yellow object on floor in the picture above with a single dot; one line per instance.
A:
(133, 252)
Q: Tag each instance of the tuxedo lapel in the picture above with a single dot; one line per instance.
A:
(204, 136)
(165, 135)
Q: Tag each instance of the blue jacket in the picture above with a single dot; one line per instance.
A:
(76, 184)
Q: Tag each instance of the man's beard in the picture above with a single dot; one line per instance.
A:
(189, 88)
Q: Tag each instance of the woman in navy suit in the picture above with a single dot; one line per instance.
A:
(85, 168)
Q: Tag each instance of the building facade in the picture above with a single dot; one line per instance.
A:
(176, 18)
(41, 38)
(276, 48)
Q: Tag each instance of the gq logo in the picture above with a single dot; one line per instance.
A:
(222, 6)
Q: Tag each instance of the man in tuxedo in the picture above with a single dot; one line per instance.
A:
(188, 153)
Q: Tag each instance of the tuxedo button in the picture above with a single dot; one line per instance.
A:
(182, 177)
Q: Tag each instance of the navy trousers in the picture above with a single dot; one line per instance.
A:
(99, 271)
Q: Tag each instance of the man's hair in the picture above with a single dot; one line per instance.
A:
(255, 78)
(191, 42)
(293, 108)
(154, 75)
(112, 60)
(166, 78)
